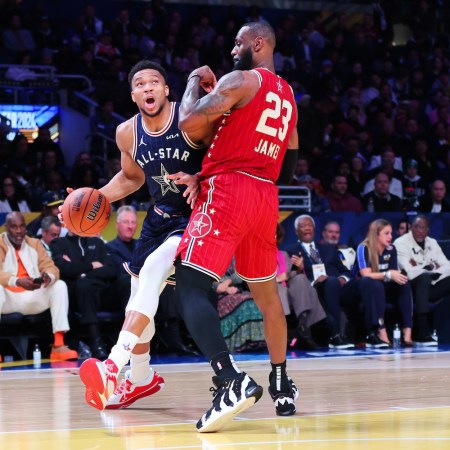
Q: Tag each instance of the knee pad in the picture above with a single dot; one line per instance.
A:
(148, 333)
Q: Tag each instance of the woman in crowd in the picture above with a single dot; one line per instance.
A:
(376, 263)
(12, 197)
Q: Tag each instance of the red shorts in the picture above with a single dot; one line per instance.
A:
(235, 214)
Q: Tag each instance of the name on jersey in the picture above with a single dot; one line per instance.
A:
(162, 153)
(268, 148)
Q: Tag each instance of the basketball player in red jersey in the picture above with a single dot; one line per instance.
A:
(237, 212)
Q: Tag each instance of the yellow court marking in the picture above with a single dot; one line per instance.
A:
(389, 430)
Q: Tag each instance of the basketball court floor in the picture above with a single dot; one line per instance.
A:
(348, 400)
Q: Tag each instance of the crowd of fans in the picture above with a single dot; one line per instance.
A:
(373, 98)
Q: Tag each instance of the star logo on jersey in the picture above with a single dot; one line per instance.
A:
(141, 142)
(165, 183)
(280, 86)
(216, 232)
(200, 225)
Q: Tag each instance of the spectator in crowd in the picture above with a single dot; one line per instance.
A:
(331, 234)
(319, 203)
(16, 38)
(50, 207)
(121, 250)
(380, 200)
(29, 282)
(326, 273)
(414, 187)
(12, 197)
(240, 319)
(428, 271)
(50, 229)
(88, 269)
(402, 227)
(382, 281)
(297, 294)
(435, 202)
(339, 197)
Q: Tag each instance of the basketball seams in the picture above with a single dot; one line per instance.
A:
(83, 215)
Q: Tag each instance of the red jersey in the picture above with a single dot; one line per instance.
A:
(254, 139)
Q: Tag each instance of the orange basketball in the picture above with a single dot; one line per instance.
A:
(86, 211)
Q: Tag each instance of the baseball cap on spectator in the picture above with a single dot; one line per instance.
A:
(51, 198)
(411, 163)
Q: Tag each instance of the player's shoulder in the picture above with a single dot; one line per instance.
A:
(126, 127)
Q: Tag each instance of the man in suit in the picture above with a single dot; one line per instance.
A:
(121, 249)
(325, 270)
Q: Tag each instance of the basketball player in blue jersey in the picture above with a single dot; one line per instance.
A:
(152, 147)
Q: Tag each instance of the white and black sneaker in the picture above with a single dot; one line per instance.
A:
(426, 341)
(284, 402)
(231, 397)
(374, 341)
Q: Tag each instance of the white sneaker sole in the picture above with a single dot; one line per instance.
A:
(221, 420)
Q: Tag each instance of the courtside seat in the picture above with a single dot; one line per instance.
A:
(19, 329)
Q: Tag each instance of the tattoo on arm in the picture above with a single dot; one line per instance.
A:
(224, 96)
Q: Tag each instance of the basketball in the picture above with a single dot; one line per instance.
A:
(86, 211)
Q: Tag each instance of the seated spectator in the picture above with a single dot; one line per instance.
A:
(428, 270)
(325, 271)
(376, 263)
(87, 268)
(414, 187)
(50, 229)
(296, 293)
(339, 197)
(29, 283)
(12, 196)
(121, 250)
(50, 207)
(380, 200)
(435, 202)
(331, 234)
(319, 202)
(395, 177)
(357, 177)
(240, 319)
(402, 228)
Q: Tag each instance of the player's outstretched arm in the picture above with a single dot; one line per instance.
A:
(131, 177)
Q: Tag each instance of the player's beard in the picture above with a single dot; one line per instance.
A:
(156, 113)
(245, 62)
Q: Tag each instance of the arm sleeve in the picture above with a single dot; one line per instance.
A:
(288, 166)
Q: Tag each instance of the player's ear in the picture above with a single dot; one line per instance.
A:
(166, 90)
(132, 97)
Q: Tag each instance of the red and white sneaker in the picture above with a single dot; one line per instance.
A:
(127, 392)
(100, 379)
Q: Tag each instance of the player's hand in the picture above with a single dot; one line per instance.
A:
(192, 183)
(207, 78)
(60, 216)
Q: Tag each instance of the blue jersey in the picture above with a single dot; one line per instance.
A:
(158, 154)
(386, 261)
(166, 152)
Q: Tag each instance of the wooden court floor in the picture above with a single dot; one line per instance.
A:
(377, 401)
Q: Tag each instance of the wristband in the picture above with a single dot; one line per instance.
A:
(192, 76)
(387, 276)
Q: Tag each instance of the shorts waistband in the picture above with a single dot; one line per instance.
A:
(254, 176)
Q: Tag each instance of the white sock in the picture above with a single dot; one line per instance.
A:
(140, 367)
(120, 353)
